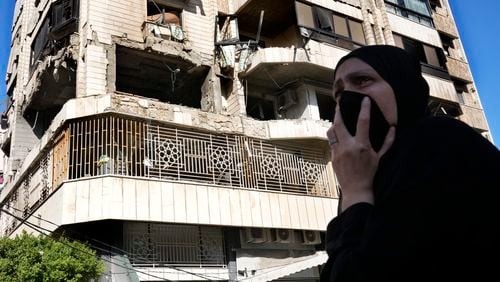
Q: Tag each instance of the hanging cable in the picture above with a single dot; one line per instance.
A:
(173, 75)
(39, 230)
(108, 245)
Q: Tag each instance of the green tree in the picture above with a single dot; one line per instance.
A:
(42, 258)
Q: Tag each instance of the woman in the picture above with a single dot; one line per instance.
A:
(420, 196)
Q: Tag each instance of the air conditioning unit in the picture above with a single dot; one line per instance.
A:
(286, 100)
(256, 235)
(310, 237)
(282, 235)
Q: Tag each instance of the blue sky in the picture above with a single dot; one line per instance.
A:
(478, 23)
(6, 9)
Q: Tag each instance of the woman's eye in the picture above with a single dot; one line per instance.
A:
(362, 80)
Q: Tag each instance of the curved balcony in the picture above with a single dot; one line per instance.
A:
(280, 65)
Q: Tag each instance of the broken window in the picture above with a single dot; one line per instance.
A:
(435, 4)
(167, 20)
(165, 78)
(260, 108)
(447, 42)
(326, 104)
(62, 20)
(323, 19)
(440, 107)
(40, 44)
(324, 25)
(40, 120)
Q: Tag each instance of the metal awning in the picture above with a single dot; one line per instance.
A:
(260, 269)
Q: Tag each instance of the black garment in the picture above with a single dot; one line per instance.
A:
(436, 215)
(436, 211)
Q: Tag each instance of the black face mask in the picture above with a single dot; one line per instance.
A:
(350, 106)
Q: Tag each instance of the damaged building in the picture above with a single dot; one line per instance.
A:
(185, 140)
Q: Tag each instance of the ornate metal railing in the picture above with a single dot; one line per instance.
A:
(120, 146)
(153, 244)
(115, 145)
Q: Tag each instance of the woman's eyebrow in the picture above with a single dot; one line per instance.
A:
(359, 73)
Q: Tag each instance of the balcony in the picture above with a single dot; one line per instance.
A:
(282, 64)
(474, 117)
(132, 150)
(445, 24)
(458, 69)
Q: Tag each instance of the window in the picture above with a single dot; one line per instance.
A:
(340, 26)
(64, 12)
(357, 33)
(461, 89)
(152, 243)
(163, 14)
(304, 15)
(427, 54)
(432, 58)
(260, 108)
(415, 10)
(324, 25)
(326, 104)
(40, 42)
(447, 42)
(435, 4)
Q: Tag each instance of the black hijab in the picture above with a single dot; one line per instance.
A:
(403, 73)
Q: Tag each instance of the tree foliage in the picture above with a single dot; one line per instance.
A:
(41, 258)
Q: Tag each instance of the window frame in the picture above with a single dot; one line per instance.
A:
(332, 37)
(405, 12)
(420, 53)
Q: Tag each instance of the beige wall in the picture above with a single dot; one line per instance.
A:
(142, 200)
(414, 30)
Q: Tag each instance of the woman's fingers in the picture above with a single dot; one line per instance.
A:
(363, 125)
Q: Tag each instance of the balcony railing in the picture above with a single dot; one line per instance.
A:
(114, 145)
(119, 146)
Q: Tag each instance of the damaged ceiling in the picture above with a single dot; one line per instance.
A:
(158, 76)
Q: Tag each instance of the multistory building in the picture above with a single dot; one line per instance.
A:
(186, 139)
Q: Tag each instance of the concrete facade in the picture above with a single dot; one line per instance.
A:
(131, 122)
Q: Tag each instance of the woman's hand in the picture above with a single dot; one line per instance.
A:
(354, 160)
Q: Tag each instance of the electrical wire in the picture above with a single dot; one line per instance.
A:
(108, 245)
(39, 228)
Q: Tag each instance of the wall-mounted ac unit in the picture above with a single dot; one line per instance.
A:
(256, 235)
(282, 235)
(286, 100)
(310, 237)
